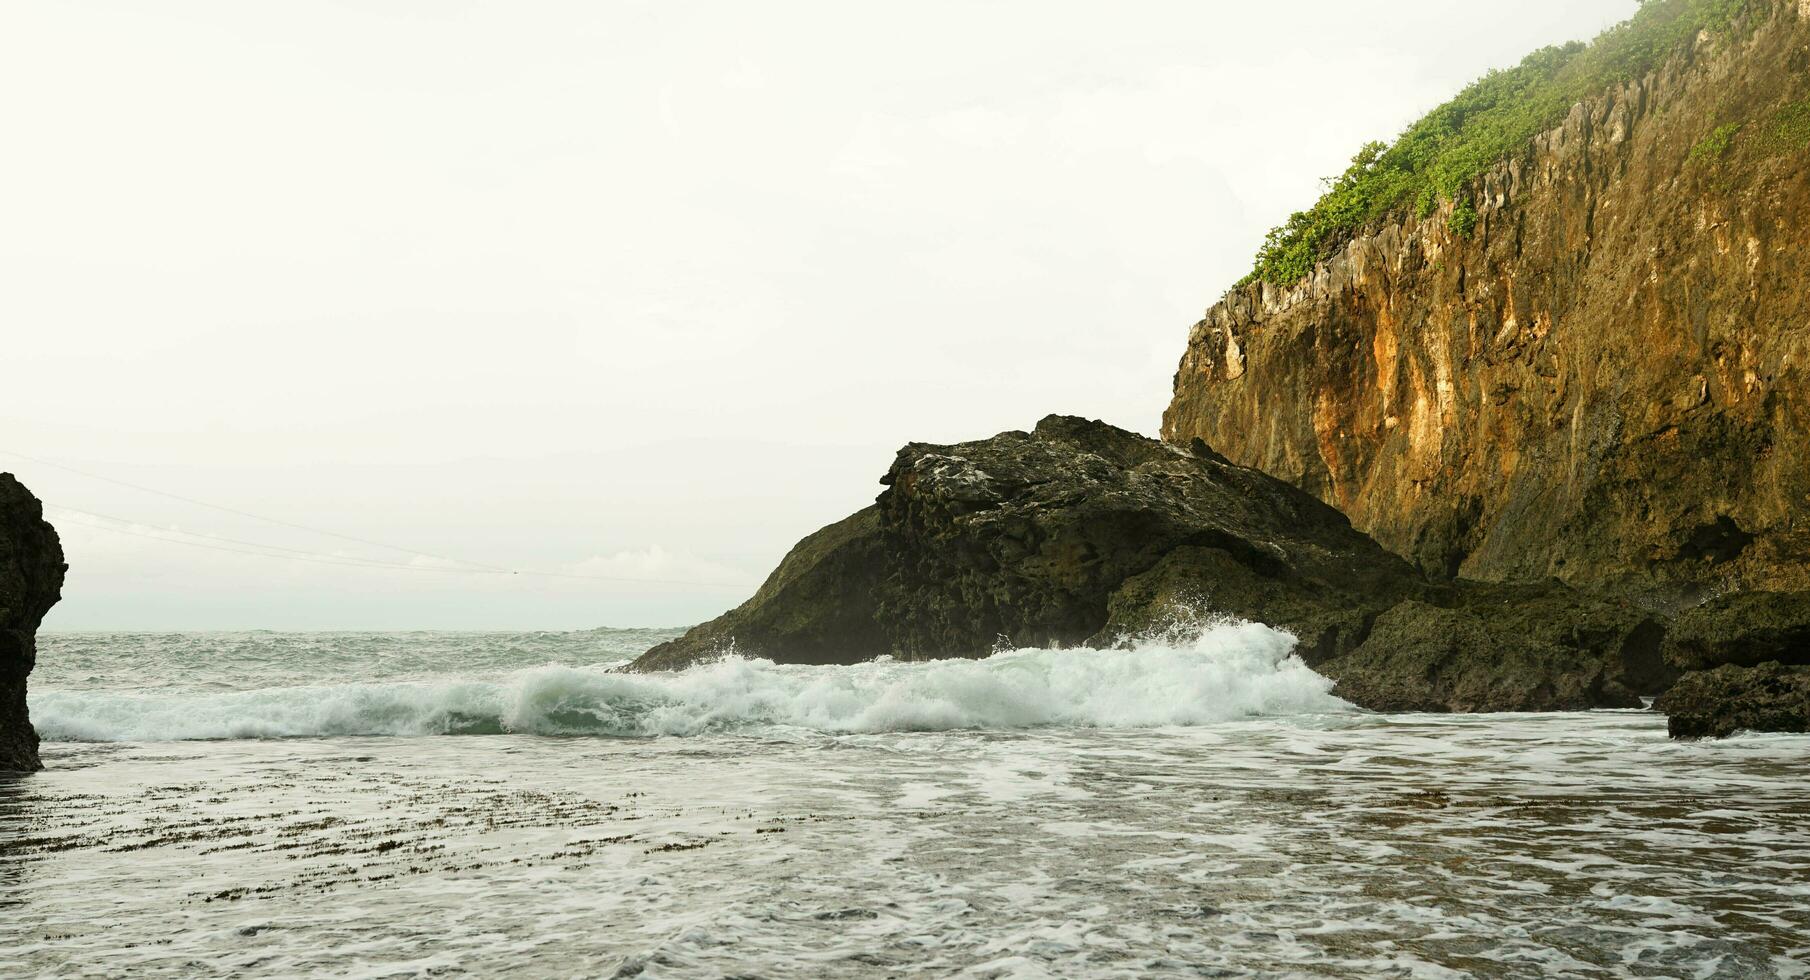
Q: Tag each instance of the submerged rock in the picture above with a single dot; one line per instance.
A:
(1770, 697)
(1081, 533)
(31, 580)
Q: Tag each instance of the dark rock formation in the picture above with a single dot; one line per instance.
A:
(1770, 697)
(1540, 647)
(818, 607)
(1081, 533)
(1607, 380)
(1744, 629)
(1028, 538)
(1747, 663)
(31, 580)
(1075, 532)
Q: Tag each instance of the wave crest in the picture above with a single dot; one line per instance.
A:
(1216, 673)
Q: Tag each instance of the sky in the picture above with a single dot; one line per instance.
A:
(557, 315)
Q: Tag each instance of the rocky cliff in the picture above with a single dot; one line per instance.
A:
(1574, 397)
(1605, 379)
(31, 580)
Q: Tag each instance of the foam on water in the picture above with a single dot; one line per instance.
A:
(1579, 845)
(1093, 828)
(1210, 674)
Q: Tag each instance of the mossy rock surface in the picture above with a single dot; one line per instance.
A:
(1769, 697)
(1489, 648)
(1079, 533)
(1743, 629)
(1071, 533)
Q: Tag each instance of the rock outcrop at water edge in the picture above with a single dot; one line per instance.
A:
(1746, 663)
(1769, 697)
(1079, 533)
(31, 581)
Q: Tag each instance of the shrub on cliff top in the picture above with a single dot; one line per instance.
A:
(1497, 115)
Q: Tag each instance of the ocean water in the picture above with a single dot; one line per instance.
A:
(440, 804)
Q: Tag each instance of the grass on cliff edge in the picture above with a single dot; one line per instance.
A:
(1497, 115)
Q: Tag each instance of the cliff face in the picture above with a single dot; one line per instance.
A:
(31, 581)
(1604, 381)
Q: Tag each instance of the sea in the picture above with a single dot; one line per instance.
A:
(1200, 805)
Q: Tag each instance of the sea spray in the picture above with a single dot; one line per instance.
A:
(1209, 674)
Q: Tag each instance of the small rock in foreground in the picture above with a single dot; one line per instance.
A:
(1771, 697)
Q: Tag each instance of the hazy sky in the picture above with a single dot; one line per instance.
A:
(629, 291)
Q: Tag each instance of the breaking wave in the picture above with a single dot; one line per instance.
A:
(1210, 674)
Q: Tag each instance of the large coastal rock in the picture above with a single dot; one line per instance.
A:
(1072, 533)
(1746, 658)
(1534, 647)
(1769, 697)
(1081, 533)
(1607, 380)
(31, 581)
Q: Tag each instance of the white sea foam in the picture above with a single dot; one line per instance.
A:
(1356, 844)
(1213, 674)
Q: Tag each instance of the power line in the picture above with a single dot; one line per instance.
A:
(354, 562)
(251, 544)
(245, 513)
(298, 554)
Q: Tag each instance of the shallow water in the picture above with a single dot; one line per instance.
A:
(1309, 840)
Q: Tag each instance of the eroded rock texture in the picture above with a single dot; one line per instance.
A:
(1081, 533)
(1485, 647)
(1605, 382)
(1768, 697)
(1073, 532)
(1744, 629)
(31, 581)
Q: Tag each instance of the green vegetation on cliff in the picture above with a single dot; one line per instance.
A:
(1788, 129)
(1785, 130)
(1716, 144)
(1498, 114)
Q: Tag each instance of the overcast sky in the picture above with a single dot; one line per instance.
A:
(636, 292)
